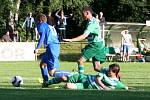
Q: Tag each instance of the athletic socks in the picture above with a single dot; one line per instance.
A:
(54, 81)
(45, 74)
(81, 69)
(60, 73)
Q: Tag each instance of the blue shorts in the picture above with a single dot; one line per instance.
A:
(51, 56)
(125, 49)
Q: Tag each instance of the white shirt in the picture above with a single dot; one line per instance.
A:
(126, 39)
(29, 22)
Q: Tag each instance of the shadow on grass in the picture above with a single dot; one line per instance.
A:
(62, 94)
(71, 57)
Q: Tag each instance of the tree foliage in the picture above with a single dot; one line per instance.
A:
(122, 10)
(114, 10)
(4, 14)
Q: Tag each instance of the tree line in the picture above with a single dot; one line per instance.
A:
(13, 12)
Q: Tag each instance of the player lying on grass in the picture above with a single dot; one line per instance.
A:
(107, 79)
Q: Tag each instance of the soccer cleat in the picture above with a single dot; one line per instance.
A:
(40, 80)
(45, 84)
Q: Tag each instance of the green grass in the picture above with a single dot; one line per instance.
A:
(135, 75)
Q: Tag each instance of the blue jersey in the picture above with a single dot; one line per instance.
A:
(48, 34)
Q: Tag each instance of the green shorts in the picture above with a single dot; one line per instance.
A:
(77, 78)
(96, 51)
(80, 80)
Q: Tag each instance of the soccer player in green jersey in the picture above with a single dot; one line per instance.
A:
(107, 79)
(95, 48)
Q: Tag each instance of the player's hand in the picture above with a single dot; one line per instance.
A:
(107, 88)
(67, 40)
(71, 14)
(36, 51)
(126, 88)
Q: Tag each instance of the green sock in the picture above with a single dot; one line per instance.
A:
(81, 69)
(54, 81)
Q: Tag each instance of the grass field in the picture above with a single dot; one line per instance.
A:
(135, 75)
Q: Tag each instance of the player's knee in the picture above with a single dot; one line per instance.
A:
(97, 68)
(51, 72)
(43, 65)
(80, 61)
(64, 78)
(69, 86)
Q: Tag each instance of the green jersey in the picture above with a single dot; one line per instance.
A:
(109, 81)
(113, 83)
(93, 31)
(84, 81)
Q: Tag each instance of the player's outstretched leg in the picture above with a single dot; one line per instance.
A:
(60, 73)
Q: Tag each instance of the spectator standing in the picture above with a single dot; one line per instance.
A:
(126, 43)
(102, 25)
(62, 22)
(29, 24)
(101, 17)
(50, 19)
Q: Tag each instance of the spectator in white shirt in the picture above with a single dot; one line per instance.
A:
(126, 43)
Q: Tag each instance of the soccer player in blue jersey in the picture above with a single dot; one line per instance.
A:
(50, 59)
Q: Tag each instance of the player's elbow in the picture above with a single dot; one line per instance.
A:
(97, 69)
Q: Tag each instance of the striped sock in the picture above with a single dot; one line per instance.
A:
(81, 69)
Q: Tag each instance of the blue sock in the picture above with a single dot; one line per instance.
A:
(60, 73)
(45, 74)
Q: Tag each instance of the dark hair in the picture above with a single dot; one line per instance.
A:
(87, 9)
(114, 68)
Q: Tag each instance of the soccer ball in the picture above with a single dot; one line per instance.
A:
(17, 81)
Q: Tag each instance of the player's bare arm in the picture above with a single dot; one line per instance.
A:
(99, 81)
(78, 38)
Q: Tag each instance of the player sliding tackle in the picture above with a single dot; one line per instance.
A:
(107, 79)
(50, 59)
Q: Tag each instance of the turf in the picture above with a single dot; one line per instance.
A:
(135, 75)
